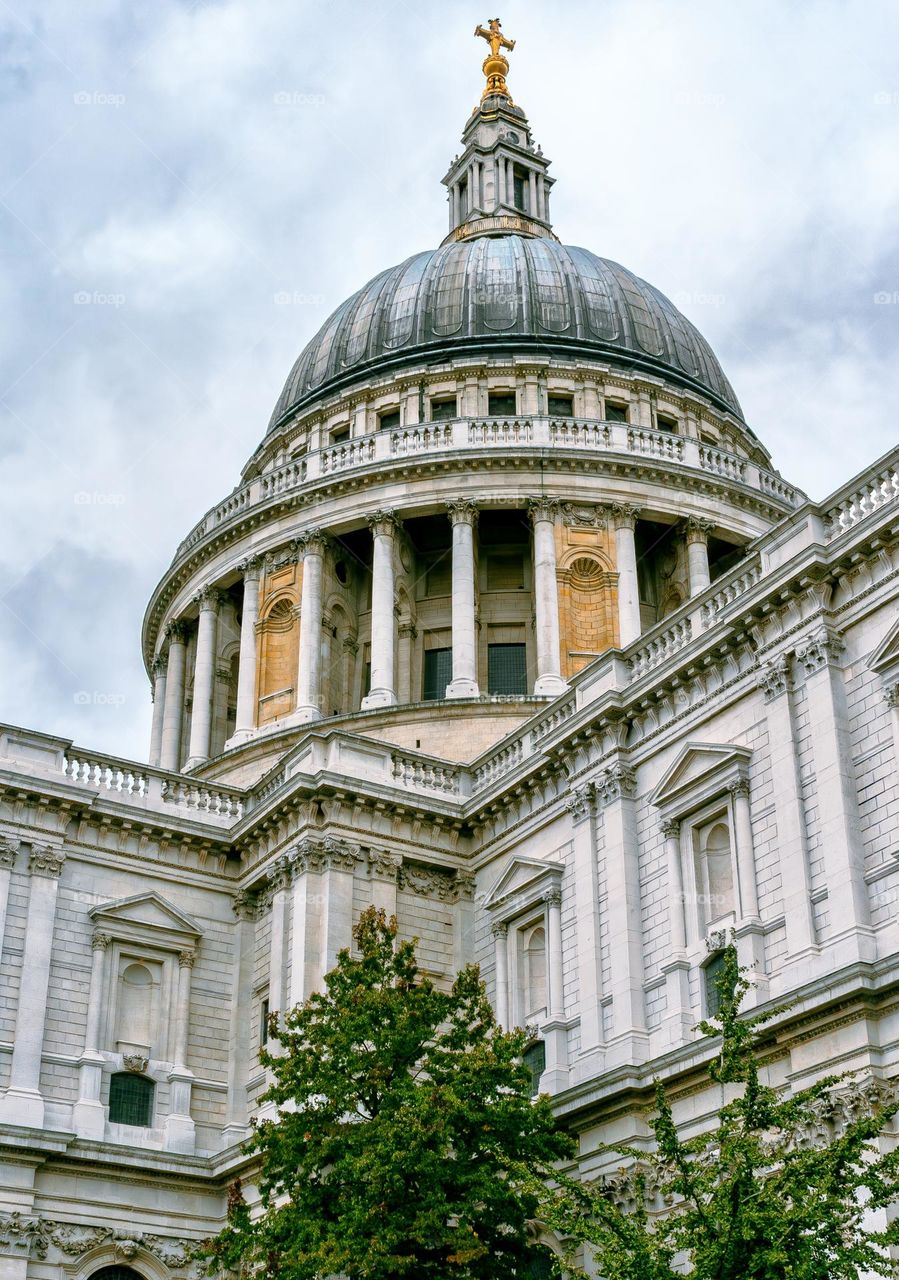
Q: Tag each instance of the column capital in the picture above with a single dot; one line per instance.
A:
(244, 904)
(210, 598)
(383, 523)
(542, 509)
(625, 515)
(384, 864)
(891, 694)
(670, 828)
(283, 556)
(775, 677)
(580, 800)
(279, 876)
(311, 542)
(250, 568)
(823, 649)
(499, 929)
(617, 782)
(223, 674)
(740, 787)
(100, 941)
(176, 632)
(553, 897)
(8, 851)
(462, 512)
(187, 958)
(696, 530)
(46, 861)
(159, 665)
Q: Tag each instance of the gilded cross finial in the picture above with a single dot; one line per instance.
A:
(495, 65)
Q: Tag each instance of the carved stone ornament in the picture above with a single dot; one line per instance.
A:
(891, 695)
(670, 829)
(823, 649)
(625, 515)
(312, 542)
(584, 515)
(210, 597)
(384, 864)
(618, 782)
(250, 568)
(499, 929)
(8, 850)
(578, 801)
(136, 1062)
(160, 665)
(383, 523)
(176, 633)
(100, 941)
(428, 882)
(244, 905)
(542, 509)
(696, 530)
(462, 511)
(45, 861)
(34, 1237)
(774, 679)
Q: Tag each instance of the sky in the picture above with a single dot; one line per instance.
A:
(187, 190)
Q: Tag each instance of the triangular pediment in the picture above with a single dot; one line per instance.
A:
(146, 910)
(698, 764)
(524, 875)
(886, 655)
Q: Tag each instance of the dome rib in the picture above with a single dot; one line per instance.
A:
(459, 297)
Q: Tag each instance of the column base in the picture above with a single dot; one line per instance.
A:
(378, 698)
(233, 1134)
(23, 1107)
(301, 715)
(89, 1119)
(550, 686)
(463, 689)
(239, 737)
(179, 1134)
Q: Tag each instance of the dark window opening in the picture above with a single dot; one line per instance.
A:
(540, 1264)
(441, 410)
(463, 197)
(263, 1022)
(534, 1059)
(705, 438)
(560, 406)
(341, 573)
(366, 679)
(389, 420)
(506, 669)
(518, 185)
(501, 404)
(505, 572)
(664, 423)
(723, 556)
(116, 1272)
(438, 673)
(615, 412)
(131, 1099)
(712, 972)
(439, 576)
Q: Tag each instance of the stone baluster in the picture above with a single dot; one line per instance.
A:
(312, 543)
(464, 683)
(159, 682)
(245, 721)
(210, 601)
(89, 1114)
(626, 563)
(697, 539)
(383, 615)
(22, 1104)
(173, 715)
(546, 598)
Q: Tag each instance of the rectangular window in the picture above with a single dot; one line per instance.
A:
(442, 410)
(389, 420)
(714, 871)
(263, 1022)
(518, 183)
(340, 433)
(501, 404)
(712, 973)
(506, 669)
(664, 423)
(615, 412)
(438, 673)
(560, 406)
(463, 197)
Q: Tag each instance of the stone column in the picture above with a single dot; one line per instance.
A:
(241, 1026)
(179, 1131)
(383, 617)
(836, 794)
(204, 676)
(406, 633)
(499, 168)
(501, 972)
(245, 722)
(541, 197)
(615, 790)
(626, 563)
(159, 680)
(349, 650)
(546, 598)
(677, 1020)
(697, 539)
(554, 1029)
(750, 934)
(464, 683)
(173, 714)
(891, 697)
(777, 688)
(463, 920)
(22, 1104)
(532, 193)
(309, 694)
(89, 1114)
(581, 804)
(8, 851)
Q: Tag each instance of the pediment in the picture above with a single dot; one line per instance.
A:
(146, 913)
(523, 879)
(886, 655)
(698, 768)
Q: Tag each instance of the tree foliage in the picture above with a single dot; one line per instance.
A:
(782, 1189)
(406, 1142)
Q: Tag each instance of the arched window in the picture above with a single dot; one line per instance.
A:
(712, 971)
(136, 995)
(116, 1272)
(534, 1058)
(131, 1099)
(714, 870)
(535, 971)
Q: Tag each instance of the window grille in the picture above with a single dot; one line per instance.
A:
(506, 669)
(389, 421)
(116, 1272)
(438, 673)
(560, 406)
(131, 1099)
(534, 1059)
(501, 404)
(712, 972)
(441, 410)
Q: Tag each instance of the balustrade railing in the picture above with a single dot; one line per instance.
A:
(877, 491)
(659, 648)
(731, 589)
(139, 782)
(427, 775)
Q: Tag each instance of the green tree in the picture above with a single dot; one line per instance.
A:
(407, 1140)
(778, 1191)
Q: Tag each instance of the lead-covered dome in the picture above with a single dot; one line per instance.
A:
(504, 293)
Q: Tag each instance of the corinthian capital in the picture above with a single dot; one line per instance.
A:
(176, 633)
(45, 861)
(462, 511)
(625, 515)
(210, 598)
(383, 523)
(542, 509)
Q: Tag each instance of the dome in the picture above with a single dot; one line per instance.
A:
(504, 293)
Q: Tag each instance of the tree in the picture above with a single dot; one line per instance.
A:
(782, 1189)
(406, 1141)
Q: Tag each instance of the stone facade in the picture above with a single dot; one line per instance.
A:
(702, 742)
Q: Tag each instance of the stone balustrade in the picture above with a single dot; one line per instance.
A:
(462, 435)
(880, 488)
(421, 773)
(658, 646)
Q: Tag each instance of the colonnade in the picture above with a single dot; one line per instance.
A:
(311, 546)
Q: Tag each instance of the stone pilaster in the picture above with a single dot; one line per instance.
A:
(383, 617)
(241, 1026)
(89, 1114)
(179, 1131)
(464, 684)
(696, 536)
(581, 805)
(245, 721)
(629, 628)
(546, 598)
(173, 714)
(500, 933)
(677, 1021)
(160, 666)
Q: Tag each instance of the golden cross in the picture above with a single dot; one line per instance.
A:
(494, 36)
